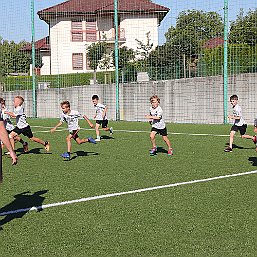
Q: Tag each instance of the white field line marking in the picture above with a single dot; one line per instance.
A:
(126, 193)
(142, 131)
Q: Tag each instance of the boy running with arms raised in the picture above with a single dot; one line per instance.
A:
(71, 118)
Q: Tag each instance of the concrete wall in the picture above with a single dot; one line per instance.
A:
(193, 100)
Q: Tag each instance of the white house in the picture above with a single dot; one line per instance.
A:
(75, 24)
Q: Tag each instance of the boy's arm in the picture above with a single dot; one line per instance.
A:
(153, 117)
(11, 114)
(58, 125)
(234, 117)
(88, 121)
(104, 112)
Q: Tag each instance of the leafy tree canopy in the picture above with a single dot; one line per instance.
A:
(244, 29)
(193, 27)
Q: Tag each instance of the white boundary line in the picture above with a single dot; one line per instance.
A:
(136, 131)
(126, 193)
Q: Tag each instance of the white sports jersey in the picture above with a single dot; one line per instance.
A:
(7, 121)
(159, 124)
(99, 109)
(237, 111)
(20, 117)
(72, 120)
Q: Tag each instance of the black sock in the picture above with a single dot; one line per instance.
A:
(22, 142)
(68, 153)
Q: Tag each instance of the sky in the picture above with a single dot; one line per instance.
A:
(15, 15)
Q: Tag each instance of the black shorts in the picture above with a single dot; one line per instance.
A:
(74, 134)
(24, 131)
(104, 123)
(162, 132)
(241, 129)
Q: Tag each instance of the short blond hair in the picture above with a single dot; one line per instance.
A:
(20, 97)
(155, 97)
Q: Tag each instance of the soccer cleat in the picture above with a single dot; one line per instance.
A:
(170, 152)
(153, 151)
(111, 130)
(25, 147)
(228, 150)
(91, 140)
(66, 156)
(255, 139)
(47, 146)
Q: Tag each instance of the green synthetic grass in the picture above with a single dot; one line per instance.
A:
(215, 218)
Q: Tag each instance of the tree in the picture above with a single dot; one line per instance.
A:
(12, 58)
(95, 52)
(244, 30)
(193, 27)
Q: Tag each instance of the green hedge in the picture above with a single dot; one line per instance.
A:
(56, 81)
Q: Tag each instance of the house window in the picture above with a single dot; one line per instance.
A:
(76, 31)
(77, 61)
(90, 30)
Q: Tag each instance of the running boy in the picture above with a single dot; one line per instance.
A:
(22, 127)
(158, 124)
(71, 118)
(239, 123)
(100, 117)
(9, 127)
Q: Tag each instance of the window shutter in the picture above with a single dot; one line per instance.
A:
(77, 61)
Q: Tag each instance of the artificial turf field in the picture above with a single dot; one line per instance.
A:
(204, 218)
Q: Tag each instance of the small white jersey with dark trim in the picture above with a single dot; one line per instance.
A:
(7, 121)
(21, 121)
(99, 110)
(72, 120)
(237, 111)
(158, 124)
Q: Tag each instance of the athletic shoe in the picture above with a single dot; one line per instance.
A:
(228, 150)
(91, 140)
(255, 139)
(8, 153)
(66, 156)
(111, 130)
(25, 147)
(153, 151)
(170, 152)
(47, 146)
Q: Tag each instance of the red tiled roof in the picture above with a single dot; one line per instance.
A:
(76, 7)
(42, 44)
(213, 42)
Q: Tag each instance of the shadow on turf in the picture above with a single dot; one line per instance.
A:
(239, 147)
(253, 160)
(106, 137)
(82, 153)
(22, 202)
(32, 151)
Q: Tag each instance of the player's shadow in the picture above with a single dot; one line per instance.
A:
(22, 203)
(160, 149)
(253, 160)
(82, 154)
(106, 137)
(238, 147)
(32, 151)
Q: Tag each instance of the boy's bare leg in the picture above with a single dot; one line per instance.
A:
(152, 137)
(167, 141)
(68, 140)
(247, 136)
(231, 138)
(97, 131)
(81, 141)
(44, 143)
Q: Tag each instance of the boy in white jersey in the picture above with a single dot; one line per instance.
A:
(22, 127)
(71, 118)
(239, 123)
(10, 127)
(100, 117)
(158, 125)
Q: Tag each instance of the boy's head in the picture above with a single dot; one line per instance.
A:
(233, 100)
(2, 102)
(95, 99)
(65, 105)
(155, 101)
(18, 100)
